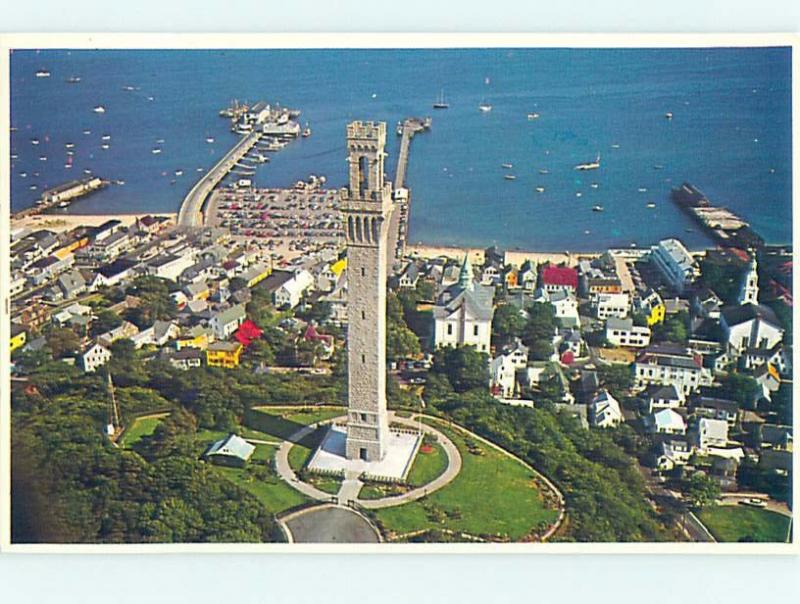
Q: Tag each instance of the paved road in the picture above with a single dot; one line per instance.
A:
(285, 470)
(190, 214)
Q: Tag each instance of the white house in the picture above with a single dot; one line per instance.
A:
(672, 453)
(665, 421)
(675, 262)
(502, 376)
(670, 365)
(169, 266)
(604, 410)
(288, 295)
(564, 304)
(158, 334)
(611, 305)
(710, 433)
(463, 313)
(750, 326)
(95, 356)
(226, 322)
(622, 332)
(663, 397)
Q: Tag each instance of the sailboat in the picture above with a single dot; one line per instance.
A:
(440, 102)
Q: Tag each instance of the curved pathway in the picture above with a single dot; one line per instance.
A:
(285, 470)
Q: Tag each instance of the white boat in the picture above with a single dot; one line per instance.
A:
(615, 146)
(32, 187)
(106, 137)
(578, 194)
(440, 102)
(14, 156)
(597, 208)
(668, 115)
(160, 141)
(178, 172)
(485, 107)
(105, 146)
(150, 98)
(87, 171)
(68, 166)
(69, 145)
(533, 116)
(509, 177)
(210, 139)
(73, 80)
(23, 174)
(306, 132)
(540, 189)
(99, 109)
(642, 190)
(651, 205)
(128, 88)
(592, 165)
(70, 153)
(507, 166)
(42, 73)
(544, 171)
(156, 151)
(63, 204)
(34, 141)
(87, 131)
(42, 158)
(594, 185)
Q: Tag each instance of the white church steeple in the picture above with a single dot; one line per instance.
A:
(748, 294)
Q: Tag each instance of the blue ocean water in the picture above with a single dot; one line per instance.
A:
(730, 133)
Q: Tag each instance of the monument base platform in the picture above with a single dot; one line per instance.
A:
(400, 451)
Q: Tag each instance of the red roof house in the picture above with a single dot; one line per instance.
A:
(559, 277)
(247, 332)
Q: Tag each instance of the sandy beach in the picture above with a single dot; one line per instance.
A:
(64, 222)
(516, 257)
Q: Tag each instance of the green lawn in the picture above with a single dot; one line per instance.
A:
(282, 423)
(492, 495)
(142, 426)
(428, 466)
(273, 493)
(738, 523)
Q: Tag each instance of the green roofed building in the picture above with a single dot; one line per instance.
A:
(230, 451)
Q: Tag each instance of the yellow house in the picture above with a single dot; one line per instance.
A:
(224, 354)
(257, 274)
(199, 340)
(338, 266)
(18, 336)
(512, 278)
(657, 314)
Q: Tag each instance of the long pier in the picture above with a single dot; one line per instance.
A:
(408, 129)
(191, 212)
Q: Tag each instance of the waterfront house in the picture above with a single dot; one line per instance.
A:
(676, 264)
(559, 278)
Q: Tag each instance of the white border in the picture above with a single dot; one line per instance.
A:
(363, 41)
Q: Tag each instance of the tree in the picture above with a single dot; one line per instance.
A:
(541, 323)
(700, 490)
(741, 388)
(674, 328)
(106, 320)
(62, 342)
(401, 342)
(508, 323)
(616, 378)
(464, 366)
(541, 350)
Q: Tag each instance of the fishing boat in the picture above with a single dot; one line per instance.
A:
(507, 166)
(668, 115)
(87, 171)
(99, 109)
(32, 187)
(14, 156)
(509, 177)
(540, 189)
(533, 116)
(592, 165)
(73, 80)
(615, 146)
(23, 174)
(87, 131)
(485, 107)
(42, 158)
(42, 73)
(597, 208)
(440, 103)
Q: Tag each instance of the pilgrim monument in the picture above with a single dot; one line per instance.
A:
(366, 205)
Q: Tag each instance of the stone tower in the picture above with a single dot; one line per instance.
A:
(748, 293)
(365, 206)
